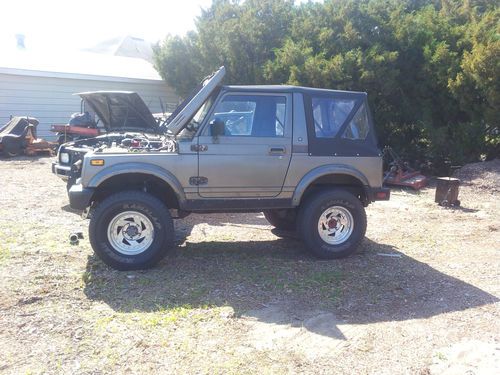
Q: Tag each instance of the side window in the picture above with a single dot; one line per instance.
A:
(252, 115)
(329, 115)
(358, 128)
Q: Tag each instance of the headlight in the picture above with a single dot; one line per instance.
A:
(64, 157)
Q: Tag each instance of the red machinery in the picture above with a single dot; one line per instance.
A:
(401, 174)
(81, 125)
(68, 132)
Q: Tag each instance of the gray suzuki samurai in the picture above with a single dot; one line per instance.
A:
(307, 158)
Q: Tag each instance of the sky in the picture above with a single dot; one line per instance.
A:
(50, 24)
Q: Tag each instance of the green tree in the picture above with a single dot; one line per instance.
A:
(430, 67)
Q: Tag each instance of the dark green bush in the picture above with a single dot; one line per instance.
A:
(431, 67)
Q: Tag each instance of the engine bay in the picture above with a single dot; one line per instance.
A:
(126, 142)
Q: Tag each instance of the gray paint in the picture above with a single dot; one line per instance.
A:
(232, 162)
(173, 168)
(314, 174)
(237, 167)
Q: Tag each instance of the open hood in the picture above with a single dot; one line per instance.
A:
(121, 111)
(187, 109)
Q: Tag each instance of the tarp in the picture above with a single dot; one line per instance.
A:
(17, 126)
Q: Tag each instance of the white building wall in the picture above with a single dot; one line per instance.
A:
(50, 99)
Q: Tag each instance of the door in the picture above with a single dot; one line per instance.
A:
(251, 158)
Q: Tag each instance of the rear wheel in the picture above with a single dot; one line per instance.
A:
(284, 219)
(131, 230)
(332, 223)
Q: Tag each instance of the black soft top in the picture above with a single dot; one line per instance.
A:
(337, 145)
(292, 89)
(18, 126)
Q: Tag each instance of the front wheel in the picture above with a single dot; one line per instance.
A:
(332, 223)
(131, 230)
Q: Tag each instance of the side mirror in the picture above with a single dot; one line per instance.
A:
(217, 127)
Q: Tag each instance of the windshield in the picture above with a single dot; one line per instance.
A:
(192, 127)
(191, 95)
(186, 111)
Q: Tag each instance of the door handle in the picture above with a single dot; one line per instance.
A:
(277, 150)
(199, 148)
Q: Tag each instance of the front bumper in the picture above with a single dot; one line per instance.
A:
(61, 171)
(80, 197)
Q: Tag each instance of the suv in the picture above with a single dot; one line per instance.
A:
(308, 158)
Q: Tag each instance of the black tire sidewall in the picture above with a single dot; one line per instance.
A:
(273, 217)
(308, 223)
(140, 202)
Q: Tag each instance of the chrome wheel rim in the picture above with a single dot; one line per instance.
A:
(130, 232)
(335, 225)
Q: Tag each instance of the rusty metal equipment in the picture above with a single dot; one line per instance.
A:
(400, 173)
(36, 145)
(67, 133)
(81, 125)
(18, 137)
(447, 191)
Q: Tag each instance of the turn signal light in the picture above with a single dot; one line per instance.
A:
(97, 162)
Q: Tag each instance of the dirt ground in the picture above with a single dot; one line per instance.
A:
(421, 296)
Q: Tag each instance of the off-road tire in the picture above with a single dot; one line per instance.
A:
(285, 219)
(144, 204)
(308, 221)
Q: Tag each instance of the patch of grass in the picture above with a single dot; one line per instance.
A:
(299, 278)
(325, 283)
(215, 274)
(4, 254)
(441, 356)
(161, 317)
(164, 316)
(104, 322)
(144, 282)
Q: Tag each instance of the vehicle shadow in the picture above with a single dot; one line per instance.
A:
(276, 282)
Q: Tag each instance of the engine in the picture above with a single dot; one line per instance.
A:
(71, 154)
(127, 142)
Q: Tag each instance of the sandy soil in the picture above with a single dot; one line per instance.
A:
(420, 296)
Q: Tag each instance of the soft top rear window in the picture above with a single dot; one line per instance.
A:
(340, 125)
(329, 114)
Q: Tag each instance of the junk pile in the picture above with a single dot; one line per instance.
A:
(80, 126)
(18, 137)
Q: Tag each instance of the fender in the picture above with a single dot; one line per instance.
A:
(325, 170)
(142, 168)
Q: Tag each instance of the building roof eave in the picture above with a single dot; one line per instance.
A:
(39, 73)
